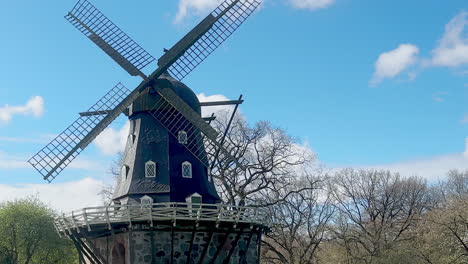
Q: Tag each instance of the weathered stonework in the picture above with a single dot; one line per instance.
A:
(167, 244)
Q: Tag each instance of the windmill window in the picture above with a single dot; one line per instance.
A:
(194, 202)
(146, 201)
(186, 170)
(124, 173)
(150, 169)
(182, 137)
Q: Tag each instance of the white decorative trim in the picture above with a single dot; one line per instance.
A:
(186, 169)
(131, 213)
(182, 137)
(124, 170)
(150, 169)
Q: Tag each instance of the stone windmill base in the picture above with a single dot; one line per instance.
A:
(165, 233)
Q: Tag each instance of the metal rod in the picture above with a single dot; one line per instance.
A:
(225, 133)
(215, 103)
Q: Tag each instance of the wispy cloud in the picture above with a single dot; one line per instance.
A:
(391, 63)
(431, 168)
(41, 139)
(63, 196)
(311, 4)
(207, 111)
(465, 119)
(34, 107)
(188, 8)
(439, 97)
(452, 49)
(194, 7)
(112, 141)
(9, 161)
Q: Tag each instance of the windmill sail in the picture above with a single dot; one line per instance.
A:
(56, 155)
(174, 114)
(109, 37)
(196, 46)
(180, 60)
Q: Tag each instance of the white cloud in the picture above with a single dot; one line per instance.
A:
(9, 161)
(111, 141)
(34, 107)
(465, 119)
(12, 162)
(466, 149)
(43, 139)
(452, 49)
(194, 7)
(311, 4)
(62, 196)
(431, 168)
(439, 97)
(392, 63)
(207, 111)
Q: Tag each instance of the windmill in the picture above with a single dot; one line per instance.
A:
(171, 148)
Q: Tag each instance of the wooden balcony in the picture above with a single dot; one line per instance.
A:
(151, 214)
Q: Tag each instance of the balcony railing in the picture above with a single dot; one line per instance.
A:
(92, 217)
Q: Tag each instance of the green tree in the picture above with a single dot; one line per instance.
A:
(28, 236)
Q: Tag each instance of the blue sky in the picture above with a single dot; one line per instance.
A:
(380, 84)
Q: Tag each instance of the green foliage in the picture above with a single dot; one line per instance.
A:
(27, 235)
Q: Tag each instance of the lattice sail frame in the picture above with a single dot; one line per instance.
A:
(202, 139)
(233, 13)
(109, 37)
(56, 155)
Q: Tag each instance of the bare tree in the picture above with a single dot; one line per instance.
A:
(443, 232)
(377, 211)
(274, 158)
(107, 190)
(299, 223)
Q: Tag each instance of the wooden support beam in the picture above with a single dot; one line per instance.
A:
(216, 103)
(205, 249)
(233, 247)
(243, 259)
(172, 244)
(220, 247)
(194, 231)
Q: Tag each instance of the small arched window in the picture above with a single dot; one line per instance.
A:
(150, 169)
(182, 137)
(132, 139)
(124, 173)
(186, 169)
(146, 201)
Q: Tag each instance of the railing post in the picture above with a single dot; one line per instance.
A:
(174, 213)
(107, 218)
(220, 212)
(86, 219)
(151, 214)
(74, 222)
(56, 227)
(66, 225)
(128, 216)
